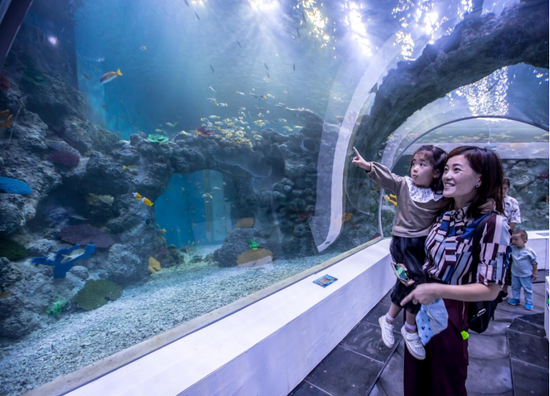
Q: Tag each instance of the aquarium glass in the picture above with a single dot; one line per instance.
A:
(161, 160)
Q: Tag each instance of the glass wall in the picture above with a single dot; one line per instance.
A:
(161, 160)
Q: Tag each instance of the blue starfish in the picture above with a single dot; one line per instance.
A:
(65, 259)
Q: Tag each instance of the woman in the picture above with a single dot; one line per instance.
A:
(471, 176)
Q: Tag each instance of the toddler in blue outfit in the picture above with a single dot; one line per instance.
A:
(524, 269)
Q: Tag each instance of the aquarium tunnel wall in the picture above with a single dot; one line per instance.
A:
(159, 164)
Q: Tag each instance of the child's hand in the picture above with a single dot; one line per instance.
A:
(360, 161)
(488, 206)
(535, 275)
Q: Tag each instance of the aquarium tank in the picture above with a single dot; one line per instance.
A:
(161, 160)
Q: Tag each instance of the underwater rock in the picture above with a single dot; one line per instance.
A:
(80, 271)
(41, 247)
(88, 136)
(173, 257)
(255, 257)
(236, 242)
(84, 234)
(99, 200)
(12, 250)
(97, 293)
(125, 265)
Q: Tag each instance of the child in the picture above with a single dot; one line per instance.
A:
(419, 199)
(512, 213)
(524, 269)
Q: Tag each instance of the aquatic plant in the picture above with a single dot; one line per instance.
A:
(14, 186)
(157, 138)
(253, 245)
(36, 77)
(12, 250)
(83, 234)
(57, 307)
(64, 158)
(97, 293)
(65, 259)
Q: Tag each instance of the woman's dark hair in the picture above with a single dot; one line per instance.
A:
(488, 165)
(436, 157)
(506, 181)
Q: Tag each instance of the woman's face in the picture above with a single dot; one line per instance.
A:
(459, 180)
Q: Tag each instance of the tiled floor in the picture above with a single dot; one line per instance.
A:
(510, 358)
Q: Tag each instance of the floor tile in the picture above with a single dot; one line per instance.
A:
(496, 327)
(344, 372)
(528, 348)
(366, 339)
(306, 389)
(529, 380)
(489, 376)
(381, 310)
(483, 346)
(536, 319)
(527, 327)
(378, 390)
(391, 378)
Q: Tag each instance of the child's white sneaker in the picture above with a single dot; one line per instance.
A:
(387, 332)
(415, 347)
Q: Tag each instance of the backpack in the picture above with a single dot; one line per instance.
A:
(481, 312)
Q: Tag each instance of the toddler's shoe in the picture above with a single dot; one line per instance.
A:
(415, 347)
(513, 301)
(387, 332)
(529, 307)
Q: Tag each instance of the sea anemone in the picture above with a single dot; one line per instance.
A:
(64, 158)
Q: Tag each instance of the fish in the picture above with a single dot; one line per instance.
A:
(392, 199)
(263, 97)
(4, 113)
(171, 125)
(7, 123)
(87, 77)
(186, 2)
(204, 132)
(132, 168)
(146, 201)
(281, 105)
(241, 93)
(270, 96)
(214, 117)
(223, 104)
(212, 69)
(266, 66)
(143, 48)
(216, 188)
(73, 255)
(207, 196)
(241, 108)
(110, 76)
(212, 89)
(78, 217)
(282, 120)
(183, 190)
(197, 15)
(239, 44)
(294, 66)
(159, 131)
(178, 230)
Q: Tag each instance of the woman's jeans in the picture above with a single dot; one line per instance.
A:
(527, 283)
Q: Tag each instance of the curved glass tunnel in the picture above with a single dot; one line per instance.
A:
(200, 151)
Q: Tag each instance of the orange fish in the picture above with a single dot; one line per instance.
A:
(7, 123)
(146, 201)
(87, 77)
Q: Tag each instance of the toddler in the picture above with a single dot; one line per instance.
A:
(419, 199)
(524, 269)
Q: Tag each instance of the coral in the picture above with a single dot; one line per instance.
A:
(14, 186)
(83, 234)
(255, 257)
(65, 259)
(253, 245)
(154, 265)
(12, 250)
(157, 138)
(64, 158)
(57, 308)
(246, 222)
(97, 293)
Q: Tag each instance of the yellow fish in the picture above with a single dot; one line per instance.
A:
(392, 199)
(110, 76)
(146, 201)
